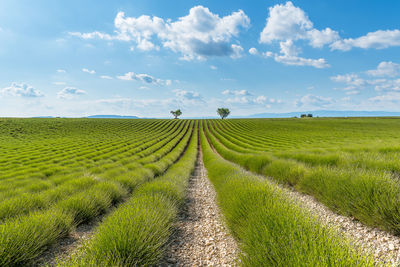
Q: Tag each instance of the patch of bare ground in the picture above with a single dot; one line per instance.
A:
(201, 239)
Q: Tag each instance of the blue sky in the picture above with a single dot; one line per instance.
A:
(145, 58)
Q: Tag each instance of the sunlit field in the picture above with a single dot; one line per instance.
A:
(57, 174)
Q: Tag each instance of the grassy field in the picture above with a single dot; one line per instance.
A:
(56, 174)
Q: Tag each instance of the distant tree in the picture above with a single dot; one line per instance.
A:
(176, 113)
(309, 115)
(303, 115)
(223, 112)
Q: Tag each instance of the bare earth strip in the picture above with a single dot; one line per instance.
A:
(201, 239)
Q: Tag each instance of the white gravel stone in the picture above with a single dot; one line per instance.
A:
(201, 238)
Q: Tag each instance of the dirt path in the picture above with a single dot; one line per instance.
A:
(201, 238)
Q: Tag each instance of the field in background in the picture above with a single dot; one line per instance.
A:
(56, 174)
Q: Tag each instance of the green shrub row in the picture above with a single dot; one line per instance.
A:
(271, 228)
(72, 211)
(137, 233)
(371, 196)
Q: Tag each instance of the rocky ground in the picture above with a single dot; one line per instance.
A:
(383, 245)
(201, 239)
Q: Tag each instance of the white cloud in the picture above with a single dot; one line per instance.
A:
(353, 92)
(70, 92)
(189, 95)
(21, 89)
(236, 92)
(238, 100)
(61, 71)
(88, 71)
(213, 67)
(253, 51)
(378, 40)
(353, 80)
(106, 77)
(130, 76)
(245, 97)
(261, 99)
(287, 22)
(391, 97)
(313, 101)
(237, 51)
(386, 68)
(386, 85)
(289, 56)
(198, 35)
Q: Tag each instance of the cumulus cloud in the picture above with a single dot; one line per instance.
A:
(106, 77)
(198, 35)
(253, 51)
(378, 40)
(387, 73)
(287, 22)
(353, 80)
(386, 68)
(22, 90)
(189, 95)
(70, 92)
(145, 78)
(88, 71)
(310, 100)
(61, 71)
(386, 85)
(213, 67)
(289, 56)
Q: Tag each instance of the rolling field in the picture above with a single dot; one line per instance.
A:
(132, 176)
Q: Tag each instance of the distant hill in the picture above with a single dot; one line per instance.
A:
(111, 117)
(324, 113)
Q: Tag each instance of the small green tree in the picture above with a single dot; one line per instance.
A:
(223, 112)
(176, 113)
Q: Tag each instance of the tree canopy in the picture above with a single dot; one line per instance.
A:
(176, 113)
(223, 112)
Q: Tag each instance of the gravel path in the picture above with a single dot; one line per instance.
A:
(201, 239)
(383, 245)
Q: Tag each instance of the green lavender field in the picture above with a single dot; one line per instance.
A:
(57, 174)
